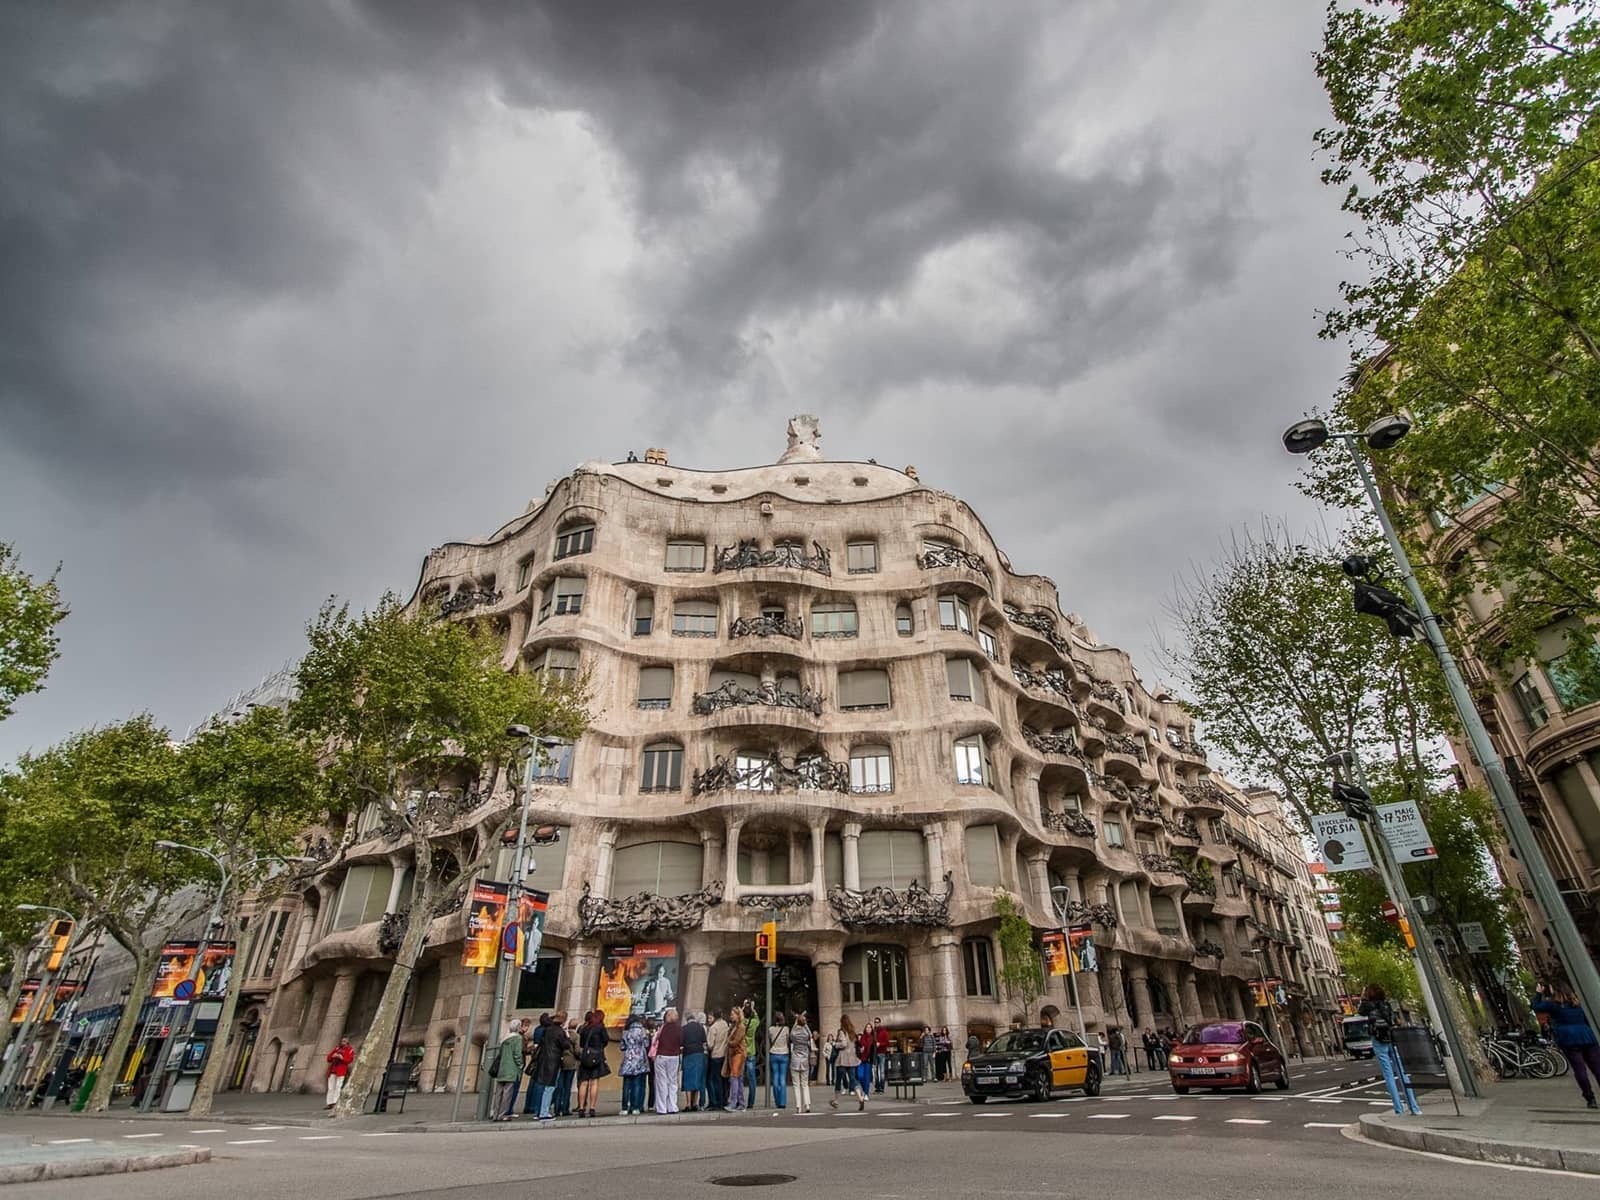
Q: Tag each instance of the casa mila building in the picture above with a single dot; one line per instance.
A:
(822, 695)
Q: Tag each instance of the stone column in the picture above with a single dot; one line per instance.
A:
(700, 960)
(1069, 876)
(1140, 975)
(819, 855)
(830, 996)
(1116, 1011)
(1039, 878)
(710, 858)
(1008, 862)
(397, 865)
(933, 841)
(851, 836)
(1175, 997)
(332, 1027)
(605, 850)
(947, 985)
(583, 962)
(1563, 819)
(730, 886)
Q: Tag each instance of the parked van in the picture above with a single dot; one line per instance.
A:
(1357, 1034)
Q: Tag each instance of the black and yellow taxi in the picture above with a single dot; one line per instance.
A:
(1032, 1063)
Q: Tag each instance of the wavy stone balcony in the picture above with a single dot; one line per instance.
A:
(1067, 820)
(645, 913)
(1207, 797)
(1109, 700)
(885, 908)
(765, 626)
(1042, 624)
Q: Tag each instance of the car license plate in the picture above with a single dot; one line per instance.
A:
(988, 1083)
(1207, 1071)
(1013, 1079)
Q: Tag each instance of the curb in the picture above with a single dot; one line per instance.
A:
(78, 1168)
(1477, 1149)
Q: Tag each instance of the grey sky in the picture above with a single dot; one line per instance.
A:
(291, 293)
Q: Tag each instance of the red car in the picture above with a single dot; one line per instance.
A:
(1226, 1054)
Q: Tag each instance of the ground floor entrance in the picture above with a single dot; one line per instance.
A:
(738, 977)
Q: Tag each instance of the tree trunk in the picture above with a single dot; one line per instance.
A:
(207, 1087)
(19, 958)
(144, 969)
(367, 1072)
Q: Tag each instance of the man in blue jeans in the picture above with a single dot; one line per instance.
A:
(750, 1025)
(1380, 1018)
(530, 1107)
(778, 1050)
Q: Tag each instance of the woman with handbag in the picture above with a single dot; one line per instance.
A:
(635, 1065)
(847, 1065)
(548, 1069)
(569, 1072)
(592, 1067)
(733, 1072)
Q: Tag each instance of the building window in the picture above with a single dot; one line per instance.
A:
(694, 618)
(644, 615)
(902, 620)
(861, 558)
(871, 769)
(977, 958)
(524, 573)
(577, 539)
(363, 896)
(564, 597)
(559, 664)
(966, 680)
(954, 614)
(655, 687)
(658, 868)
(1219, 830)
(553, 763)
(1144, 845)
(663, 768)
(892, 858)
(833, 620)
(773, 611)
(990, 643)
(686, 555)
(875, 975)
(1526, 693)
(983, 855)
(972, 762)
(863, 691)
(536, 989)
(755, 771)
(1113, 832)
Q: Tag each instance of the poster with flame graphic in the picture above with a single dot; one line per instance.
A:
(640, 979)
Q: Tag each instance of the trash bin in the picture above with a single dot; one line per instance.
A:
(913, 1070)
(1417, 1050)
(894, 1068)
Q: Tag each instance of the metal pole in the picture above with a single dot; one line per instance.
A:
(466, 1050)
(1580, 967)
(1266, 994)
(212, 922)
(768, 1034)
(1072, 970)
(22, 1043)
(519, 792)
(1460, 1071)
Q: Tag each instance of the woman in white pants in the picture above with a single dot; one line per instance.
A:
(669, 1060)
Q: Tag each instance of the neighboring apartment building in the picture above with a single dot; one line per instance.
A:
(819, 690)
(1328, 898)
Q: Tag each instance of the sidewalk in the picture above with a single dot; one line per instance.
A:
(23, 1161)
(1528, 1122)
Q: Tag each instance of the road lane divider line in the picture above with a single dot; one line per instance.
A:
(320, 1137)
(1109, 1116)
(132, 1136)
(1248, 1121)
(1175, 1117)
(252, 1142)
(1324, 1125)
(210, 1131)
(68, 1141)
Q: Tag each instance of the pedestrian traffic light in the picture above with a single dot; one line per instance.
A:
(767, 943)
(61, 933)
(1356, 801)
(1405, 932)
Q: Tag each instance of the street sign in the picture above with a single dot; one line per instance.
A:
(1474, 937)
(183, 990)
(1390, 911)
(1404, 831)
(1340, 843)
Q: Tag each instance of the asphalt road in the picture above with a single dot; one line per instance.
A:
(1282, 1146)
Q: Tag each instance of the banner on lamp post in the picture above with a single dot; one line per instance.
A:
(1339, 842)
(1403, 829)
(486, 916)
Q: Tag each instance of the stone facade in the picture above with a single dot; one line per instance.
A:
(820, 690)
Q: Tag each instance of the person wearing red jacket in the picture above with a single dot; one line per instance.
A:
(339, 1060)
(880, 1053)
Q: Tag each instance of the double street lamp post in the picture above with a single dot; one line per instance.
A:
(1062, 895)
(43, 997)
(1306, 436)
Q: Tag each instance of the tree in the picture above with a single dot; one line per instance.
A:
(1283, 673)
(1021, 966)
(413, 718)
(255, 786)
(29, 614)
(87, 813)
(1388, 967)
(1466, 142)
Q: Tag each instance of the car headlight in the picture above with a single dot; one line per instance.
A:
(1175, 1059)
(1017, 1067)
(1231, 1058)
(966, 1068)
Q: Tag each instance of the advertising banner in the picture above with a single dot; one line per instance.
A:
(1474, 937)
(1084, 955)
(1053, 948)
(216, 969)
(531, 909)
(1268, 991)
(486, 914)
(1403, 829)
(177, 960)
(64, 992)
(641, 979)
(1339, 841)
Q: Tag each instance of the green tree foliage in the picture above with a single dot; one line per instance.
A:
(29, 614)
(1021, 965)
(412, 716)
(1466, 142)
(1283, 673)
(1362, 963)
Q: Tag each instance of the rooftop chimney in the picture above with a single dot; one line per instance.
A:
(656, 456)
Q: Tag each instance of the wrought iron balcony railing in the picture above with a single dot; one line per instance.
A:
(772, 774)
(748, 553)
(767, 625)
(951, 556)
(767, 695)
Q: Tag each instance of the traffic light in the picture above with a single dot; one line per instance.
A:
(767, 944)
(1405, 932)
(1374, 601)
(61, 932)
(1356, 801)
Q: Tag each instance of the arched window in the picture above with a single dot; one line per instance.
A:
(662, 769)
(575, 539)
(977, 958)
(655, 687)
(1128, 897)
(659, 868)
(875, 975)
(363, 895)
(559, 663)
(871, 769)
(562, 597)
(1166, 914)
(553, 763)
(694, 618)
(966, 680)
(739, 679)
(862, 691)
(835, 619)
(686, 554)
(972, 762)
(903, 624)
(861, 557)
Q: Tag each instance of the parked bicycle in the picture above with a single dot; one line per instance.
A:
(1514, 1054)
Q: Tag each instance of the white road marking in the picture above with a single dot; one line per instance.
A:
(320, 1137)
(1327, 1102)
(1324, 1125)
(208, 1131)
(928, 1115)
(1175, 1117)
(68, 1141)
(999, 1114)
(1049, 1116)
(1109, 1116)
(1269, 1099)
(380, 1135)
(1247, 1121)
(1380, 1104)
(266, 1128)
(131, 1136)
(251, 1142)
(190, 1146)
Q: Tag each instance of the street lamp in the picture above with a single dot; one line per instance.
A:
(1305, 436)
(1063, 898)
(41, 997)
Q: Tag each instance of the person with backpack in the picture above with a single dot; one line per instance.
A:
(505, 1068)
(1573, 1036)
(1380, 1019)
(592, 1067)
(547, 1069)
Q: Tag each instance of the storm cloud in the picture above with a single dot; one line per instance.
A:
(290, 293)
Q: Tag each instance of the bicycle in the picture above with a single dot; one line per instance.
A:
(1512, 1055)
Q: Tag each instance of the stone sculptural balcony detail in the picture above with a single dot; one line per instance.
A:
(1068, 820)
(1039, 622)
(461, 602)
(1053, 743)
(950, 556)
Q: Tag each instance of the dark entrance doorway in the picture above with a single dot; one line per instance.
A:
(739, 977)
